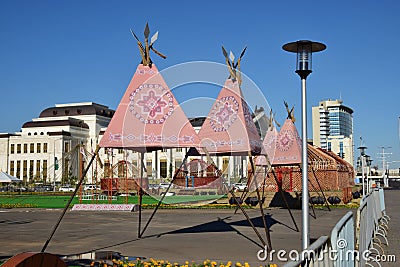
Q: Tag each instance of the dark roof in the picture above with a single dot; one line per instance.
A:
(63, 133)
(7, 135)
(93, 109)
(67, 122)
(197, 122)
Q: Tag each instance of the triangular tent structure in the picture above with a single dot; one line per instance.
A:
(269, 147)
(6, 178)
(229, 127)
(148, 116)
(288, 145)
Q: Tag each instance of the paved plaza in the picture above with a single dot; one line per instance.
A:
(177, 235)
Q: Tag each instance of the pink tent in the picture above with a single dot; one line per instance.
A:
(148, 116)
(269, 147)
(229, 127)
(288, 145)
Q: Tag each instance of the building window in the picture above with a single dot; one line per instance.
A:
(18, 148)
(18, 171)
(38, 169)
(66, 147)
(122, 169)
(225, 165)
(149, 168)
(25, 170)
(31, 166)
(44, 170)
(107, 169)
(120, 151)
(12, 168)
(179, 149)
(12, 149)
(25, 148)
(32, 148)
(341, 150)
(163, 168)
(65, 166)
(38, 148)
(178, 163)
(44, 147)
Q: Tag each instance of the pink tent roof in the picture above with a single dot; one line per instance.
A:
(288, 145)
(269, 147)
(148, 117)
(229, 127)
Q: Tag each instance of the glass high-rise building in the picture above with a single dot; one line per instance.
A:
(333, 128)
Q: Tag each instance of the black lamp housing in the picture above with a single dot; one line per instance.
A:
(304, 50)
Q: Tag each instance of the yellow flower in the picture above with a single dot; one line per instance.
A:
(213, 263)
(238, 264)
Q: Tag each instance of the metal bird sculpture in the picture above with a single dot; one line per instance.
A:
(145, 49)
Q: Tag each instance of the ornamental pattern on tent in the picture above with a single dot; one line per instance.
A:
(224, 113)
(151, 103)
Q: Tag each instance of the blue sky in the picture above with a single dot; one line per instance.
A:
(73, 51)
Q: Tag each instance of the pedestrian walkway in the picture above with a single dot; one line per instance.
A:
(392, 202)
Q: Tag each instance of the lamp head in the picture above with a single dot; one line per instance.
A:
(304, 50)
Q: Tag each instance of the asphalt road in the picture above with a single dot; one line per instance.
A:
(174, 235)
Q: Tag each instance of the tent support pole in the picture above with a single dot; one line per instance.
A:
(260, 204)
(140, 193)
(285, 200)
(162, 198)
(70, 199)
(231, 191)
(247, 217)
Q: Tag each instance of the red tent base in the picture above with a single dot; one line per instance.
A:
(34, 259)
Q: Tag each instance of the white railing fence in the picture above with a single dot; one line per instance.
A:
(350, 246)
(372, 227)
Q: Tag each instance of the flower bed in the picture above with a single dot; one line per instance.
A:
(161, 263)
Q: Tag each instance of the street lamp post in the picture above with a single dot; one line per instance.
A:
(385, 169)
(304, 50)
(363, 163)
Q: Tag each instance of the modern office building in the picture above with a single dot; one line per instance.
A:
(56, 147)
(332, 124)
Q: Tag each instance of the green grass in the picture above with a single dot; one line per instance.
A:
(57, 201)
